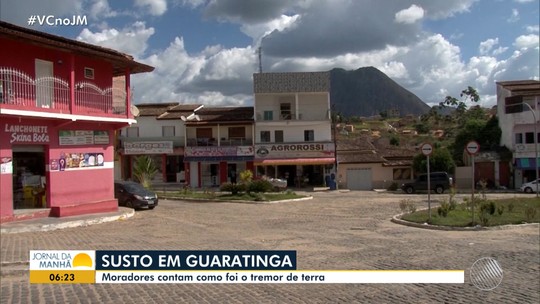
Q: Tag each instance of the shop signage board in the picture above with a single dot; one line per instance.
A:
(294, 150)
(148, 147)
(27, 134)
(82, 137)
(218, 151)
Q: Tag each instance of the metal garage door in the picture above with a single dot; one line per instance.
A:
(359, 179)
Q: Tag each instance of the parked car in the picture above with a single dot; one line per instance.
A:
(278, 183)
(530, 187)
(439, 182)
(134, 195)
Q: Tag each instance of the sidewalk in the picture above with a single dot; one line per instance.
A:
(54, 223)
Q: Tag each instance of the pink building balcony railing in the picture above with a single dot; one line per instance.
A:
(52, 94)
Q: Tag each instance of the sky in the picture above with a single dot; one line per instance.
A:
(206, 51)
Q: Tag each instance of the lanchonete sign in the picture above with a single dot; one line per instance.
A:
(27, 133)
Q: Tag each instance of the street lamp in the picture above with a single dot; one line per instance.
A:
(535, 144)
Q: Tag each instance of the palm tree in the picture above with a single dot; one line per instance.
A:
(144, 170)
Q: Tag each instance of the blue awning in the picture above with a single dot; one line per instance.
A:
(526, 163)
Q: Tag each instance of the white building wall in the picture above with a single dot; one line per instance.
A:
(149, 126)
(294, 132)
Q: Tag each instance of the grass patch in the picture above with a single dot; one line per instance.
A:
(226, 196)
(506, 212)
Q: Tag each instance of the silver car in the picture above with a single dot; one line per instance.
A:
(530, 187)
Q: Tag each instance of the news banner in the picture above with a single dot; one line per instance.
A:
(214, 267)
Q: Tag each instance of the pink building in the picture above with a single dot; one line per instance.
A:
(59, 112)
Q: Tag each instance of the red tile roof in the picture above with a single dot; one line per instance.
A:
(119, 61)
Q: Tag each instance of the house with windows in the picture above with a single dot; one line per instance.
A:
(293, 127)
(158, 133)
(367, 163)
(59, 112)
(518, 109)
(219, 145)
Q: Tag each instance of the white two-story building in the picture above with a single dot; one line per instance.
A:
(160, 134)
(293, 128)
(518, 107)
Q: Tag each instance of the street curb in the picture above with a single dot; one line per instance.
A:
(397, 220)
(125, 213)
(204, 200)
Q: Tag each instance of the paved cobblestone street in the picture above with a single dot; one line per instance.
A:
(350, 230)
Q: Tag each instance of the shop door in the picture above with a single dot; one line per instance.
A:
(172, 168)
(44, 84)
(232, 173)
(29, 179)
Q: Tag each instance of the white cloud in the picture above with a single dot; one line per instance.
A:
(132, 40)
(101, 9)
(410, 15)
(216, 76)
(532, 29)
(259, 30)
(155, 7)
(514, 17)
(487, 46)
(526, 41)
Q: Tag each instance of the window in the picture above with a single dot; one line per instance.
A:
(278, 136)
(309, 135)
(88, 73)
(204, 137)
(265, 136)
(268, 115)
(513, 104)
(133, 132)
(401, 174)
(167, 131)
(204, 132)
(529, 138)
(237, 132)
(519, 138)
(285, 109)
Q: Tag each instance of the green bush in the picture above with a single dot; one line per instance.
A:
(246, 176)
(488, 207)
(444, 209)
(510, 207)
(500, 210)
(530, 214)
(233, 188)
(260, 185)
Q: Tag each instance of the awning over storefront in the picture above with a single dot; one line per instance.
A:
(218, 158)
(526, 163)
(295, 161)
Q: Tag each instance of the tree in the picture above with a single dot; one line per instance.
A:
(144, 170)
(471, 130)
(439, 160)
(468, 95)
